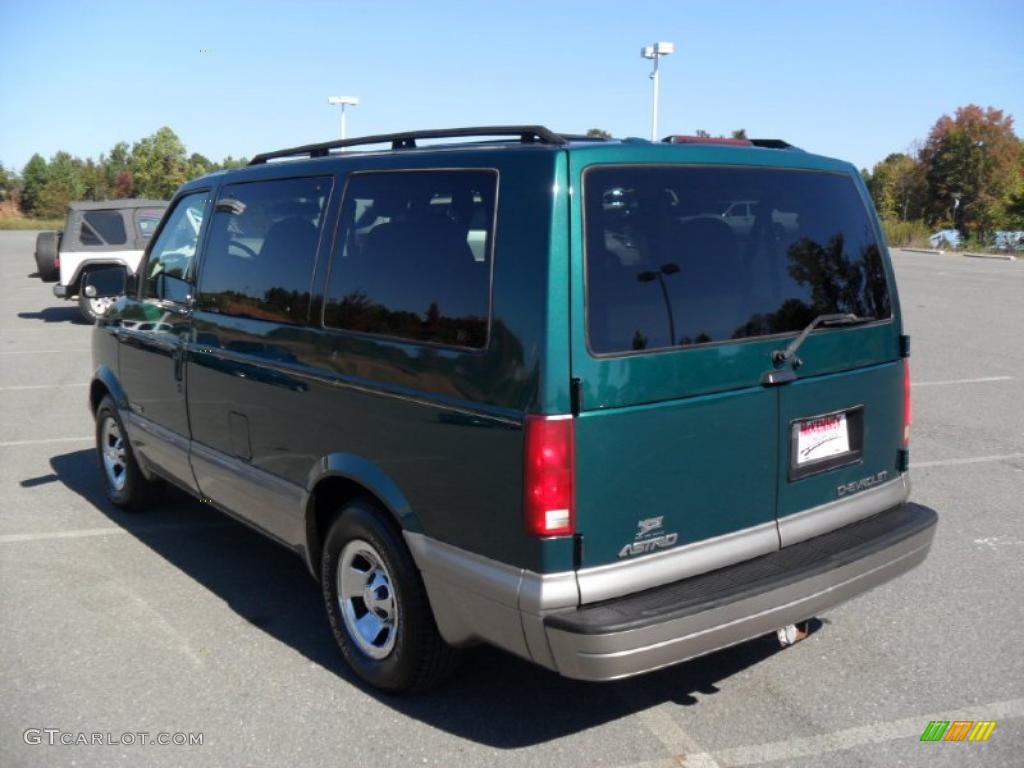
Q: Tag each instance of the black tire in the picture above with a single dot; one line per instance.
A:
(88, 307)
(136, 493)
(47, 245)
(420, 658)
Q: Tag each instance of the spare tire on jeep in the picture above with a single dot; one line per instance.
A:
(47, 248)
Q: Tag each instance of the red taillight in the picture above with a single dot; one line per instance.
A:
(56, 261)
(906, 404)
(548, 476)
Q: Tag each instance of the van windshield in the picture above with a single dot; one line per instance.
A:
(685, 255)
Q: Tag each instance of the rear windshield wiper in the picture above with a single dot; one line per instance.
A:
(788, 355)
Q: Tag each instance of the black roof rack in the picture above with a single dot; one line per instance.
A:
(584, 137)
(772, 143)
(528, 134)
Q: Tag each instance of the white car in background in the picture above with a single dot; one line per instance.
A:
(96, 234)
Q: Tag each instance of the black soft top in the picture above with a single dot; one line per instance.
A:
(133, 231)
(116, 205)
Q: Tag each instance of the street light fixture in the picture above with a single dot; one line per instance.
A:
(343, 101)
(655, 52)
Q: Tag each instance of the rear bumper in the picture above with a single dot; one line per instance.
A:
(689, 618)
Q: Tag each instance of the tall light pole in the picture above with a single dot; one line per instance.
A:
(343, 101)
(655, 52)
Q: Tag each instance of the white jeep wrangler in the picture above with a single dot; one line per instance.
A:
(97, 234)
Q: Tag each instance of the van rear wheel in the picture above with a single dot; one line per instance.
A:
(377, 605)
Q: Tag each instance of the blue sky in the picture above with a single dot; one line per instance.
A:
(855, 80)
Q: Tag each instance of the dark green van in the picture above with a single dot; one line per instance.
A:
(608, 405)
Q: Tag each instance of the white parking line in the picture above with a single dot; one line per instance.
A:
(10, 538)
(44, 441)
(848, 738)
(84, 533)
(659, 721)
(970, 460)
(18, 387)
(961, 381)
(86, 348)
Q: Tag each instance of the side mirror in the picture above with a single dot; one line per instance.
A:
(173, 288)
(105, 283)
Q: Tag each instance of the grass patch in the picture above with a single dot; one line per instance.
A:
(31, 223)
(910, 234)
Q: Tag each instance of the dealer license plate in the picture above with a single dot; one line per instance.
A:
(821, 438)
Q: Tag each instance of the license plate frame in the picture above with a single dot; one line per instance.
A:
(854, 417)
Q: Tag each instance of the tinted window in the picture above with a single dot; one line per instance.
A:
(147, 219)
(262, 248)
(673, 260)
(102, 228)
(414, 256)
(174, 249)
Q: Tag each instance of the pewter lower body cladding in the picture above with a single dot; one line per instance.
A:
(478, 599)
(622, 654)
(827, 517)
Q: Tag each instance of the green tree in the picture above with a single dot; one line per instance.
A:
(974, 155)
(598, 133)
(898, 187)
(64, 183)
(199, 165)
(739, 133)
(8, 184)
(158, 164)
(229, 162)
(115, 165)
(33, 179)
(94, 180)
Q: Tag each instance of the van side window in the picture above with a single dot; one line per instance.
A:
(262, 247)
(413, 258)
(175, 248)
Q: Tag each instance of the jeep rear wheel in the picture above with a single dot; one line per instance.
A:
(47, 245)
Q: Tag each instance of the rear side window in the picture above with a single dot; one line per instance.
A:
(262, 247)
(146, 220)
(414, 255)
(686, 255)
(102, 228)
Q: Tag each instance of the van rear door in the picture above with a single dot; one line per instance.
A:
(676, 311)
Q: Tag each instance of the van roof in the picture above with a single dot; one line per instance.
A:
(503, 138)
(517, 134)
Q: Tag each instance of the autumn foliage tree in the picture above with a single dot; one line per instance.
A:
(975, 156)
(968, 174)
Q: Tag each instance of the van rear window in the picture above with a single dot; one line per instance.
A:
(686, 255)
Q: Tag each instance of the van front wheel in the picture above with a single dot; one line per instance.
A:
(93, 309)
(123, 481)
(377, 605)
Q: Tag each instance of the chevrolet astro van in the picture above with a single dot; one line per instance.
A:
(528, 389)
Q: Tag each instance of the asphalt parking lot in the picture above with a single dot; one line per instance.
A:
(182, 621)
